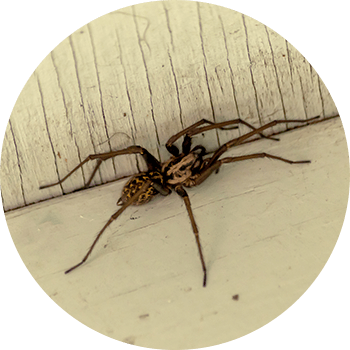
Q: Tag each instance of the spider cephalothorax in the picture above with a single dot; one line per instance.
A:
(185, 169)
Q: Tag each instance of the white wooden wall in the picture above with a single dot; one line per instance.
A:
(141, 74)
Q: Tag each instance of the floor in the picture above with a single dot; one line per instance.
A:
(267, 229)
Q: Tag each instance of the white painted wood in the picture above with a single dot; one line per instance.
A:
(267, 229)
(141, 74)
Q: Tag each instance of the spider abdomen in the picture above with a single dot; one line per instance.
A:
(134, 185)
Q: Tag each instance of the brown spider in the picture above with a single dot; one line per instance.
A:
(186, 169)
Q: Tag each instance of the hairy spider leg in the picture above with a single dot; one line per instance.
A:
(152, 163)
(182, 193)
(241, 139)
(195, 129)
(143, 189)
(214, 167)
(172, 149)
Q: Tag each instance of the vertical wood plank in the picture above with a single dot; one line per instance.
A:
(141, 74)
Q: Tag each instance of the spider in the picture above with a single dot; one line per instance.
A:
(189, 168)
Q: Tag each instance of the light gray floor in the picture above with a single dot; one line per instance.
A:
(267, 229)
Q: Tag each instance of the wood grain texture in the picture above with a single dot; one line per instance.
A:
(139, 75)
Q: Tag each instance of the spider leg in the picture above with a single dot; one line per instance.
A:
(241, 139)
(215, 167)
(174, 150)
(112, 218)
(195, 129)
(151, 161)
(261, 155)
(223, 126)
(182, 193)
